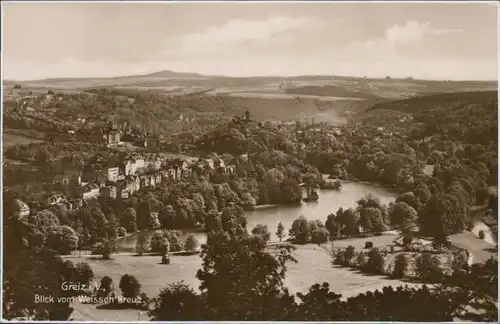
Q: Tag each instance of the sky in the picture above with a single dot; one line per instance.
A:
(455, 41)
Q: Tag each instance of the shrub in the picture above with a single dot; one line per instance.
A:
(375, 262)
(130, 286)
(481, 235)
(349, 253)
(407, 240)
(400, 266)
(340, 258)
(428, 267)
(368, 244)
(460, 260)
(120, 231)
(361, 260)
(191, 243)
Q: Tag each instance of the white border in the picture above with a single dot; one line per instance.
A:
(492, 3)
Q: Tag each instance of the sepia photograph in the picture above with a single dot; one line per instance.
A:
(249, 161)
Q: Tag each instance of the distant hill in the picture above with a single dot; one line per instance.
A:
(420, 104)
(331, 91)
(320, 85)
(464, 117)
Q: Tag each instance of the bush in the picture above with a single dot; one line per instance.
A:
(407, 240)
(400, 266)
(428, 267)
(349, 253)
(120, 231)
(361, 260)
(130, 286)
(340, 258)
(481, 235)
(368, 245)
(375, 262)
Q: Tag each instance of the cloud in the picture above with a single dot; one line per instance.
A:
(391, 46)
(413, 32)
(238, 33)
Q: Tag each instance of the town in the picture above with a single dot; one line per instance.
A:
(284, 178)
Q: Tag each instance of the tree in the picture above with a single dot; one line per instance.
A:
(177, 302)
(280, 231)
(105, 286)
(332, 224)
(349, 221)
(130, 286)
(401, 213)
(69, 271)
(427, 268)
(262, 231)
(442, 216)
(248, 201)
(411, 199)
(423, 192)
(108, 247)
(28, 272)
(62, 239)
(191, 243)
(371, 219)
(142, 245)
(159, 243)
(174, 238)
(319, 235)
(400, 266)
(121, 231)
(349, 253)
(229, 274)
(129, 220)
(84, 273)
(375, 262)
(291, 193)
(300, 230)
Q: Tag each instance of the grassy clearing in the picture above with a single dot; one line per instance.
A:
(481, 250)
(359, 243)
(13, 137)
(314, 266)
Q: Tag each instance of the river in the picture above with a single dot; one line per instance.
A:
(329, 202)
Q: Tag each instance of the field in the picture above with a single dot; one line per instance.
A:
(314, 266)
(324, 85)
(21, 137)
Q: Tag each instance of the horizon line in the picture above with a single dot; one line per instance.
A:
(208, 75)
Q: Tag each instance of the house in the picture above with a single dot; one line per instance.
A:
(122, 192)
(61, 179)
(68, 179)
(94, 173)
(90, 191)
(231, 169)
(76, 203)
(20, 209)
(113, 174)
(158, 178)
(157, 164)
(108, 192)
(145, 181)
(133, 184)
(132, 165)
(219, 163)
(180, 164)
(112, 137)
(181, 167)
(54, 199)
